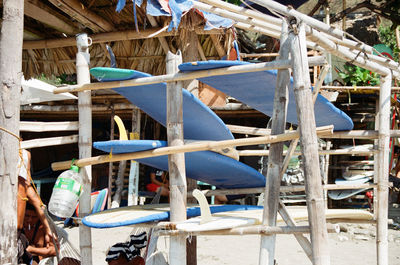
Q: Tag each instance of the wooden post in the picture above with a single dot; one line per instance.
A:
(110, 165)
(133, 189)
(85, 144)
(383, 170)
(309, 146)
(176, 162)
(10, 78)
(271, 201)
(190, 54)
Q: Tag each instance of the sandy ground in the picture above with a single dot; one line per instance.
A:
(355, 245)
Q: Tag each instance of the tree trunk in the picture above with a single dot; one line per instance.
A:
(10, 76)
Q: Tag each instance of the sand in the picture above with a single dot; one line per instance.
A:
(355, 246)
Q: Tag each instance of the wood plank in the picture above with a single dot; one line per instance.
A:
(51, 141)
(33, 126)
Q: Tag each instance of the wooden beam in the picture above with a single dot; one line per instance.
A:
(51, 141)
(77, 11)
(176, 162)
(109, 36)
(40, 12)
(32, 126)
(85, 145)
(180, 76)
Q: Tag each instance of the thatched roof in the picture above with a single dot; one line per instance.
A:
(50, 27)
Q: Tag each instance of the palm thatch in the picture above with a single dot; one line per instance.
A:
(50, 26)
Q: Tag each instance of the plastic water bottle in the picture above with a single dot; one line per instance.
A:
(66, 192)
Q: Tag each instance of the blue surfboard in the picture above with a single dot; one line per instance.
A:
(199, 121)
(257, 89)
(206, 166)
(139, 214)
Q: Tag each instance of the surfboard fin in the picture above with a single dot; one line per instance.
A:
(121, 128)
(204, 206)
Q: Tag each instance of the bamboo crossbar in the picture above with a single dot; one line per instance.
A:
(368, 151)
(354, 134)
(295, 188)
(192, 147)
(278, 64)
(250, 230)
(359, 88)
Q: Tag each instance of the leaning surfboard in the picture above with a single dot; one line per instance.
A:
(139, 214)
(206, 166)
(257, 89)
(199, 121)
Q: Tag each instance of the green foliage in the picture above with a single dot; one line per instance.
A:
(357, 76)
(56, 80)
(235, 2)
(388, 37)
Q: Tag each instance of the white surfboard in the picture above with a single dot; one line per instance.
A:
(342, 181)
(228, 220)
(217, 222)
(355, 174)
(344, 194)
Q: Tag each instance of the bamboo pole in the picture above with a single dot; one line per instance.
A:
(345, 53)
(74, 108)
(133, 188)
(383, 169)
(250, 230)
(110, 164)
(303, 241)
(357, 88)
(34, 126)
(309, 146)
(85, 144)
(367, 152)
(193, 147)
(296, 188)
(354, 134)
(50, 141)
(281, 98)
(257, 67)
(10, 77)
(176, 162)
(254, 20)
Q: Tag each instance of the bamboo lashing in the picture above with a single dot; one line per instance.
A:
(193, 147)
(278, 64)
